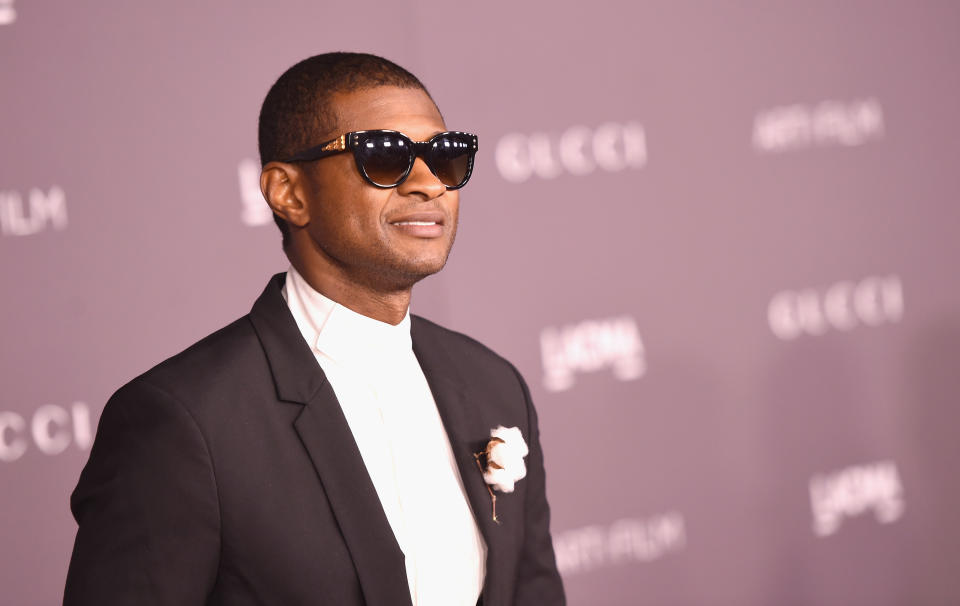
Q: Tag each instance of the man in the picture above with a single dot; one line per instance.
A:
(321, 450)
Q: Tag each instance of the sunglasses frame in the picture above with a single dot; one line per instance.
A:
(351, 142)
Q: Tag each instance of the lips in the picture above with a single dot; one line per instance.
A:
(423, 224)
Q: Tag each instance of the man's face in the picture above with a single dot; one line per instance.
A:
(365, 231)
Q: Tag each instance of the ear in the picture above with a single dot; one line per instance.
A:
(281, 186)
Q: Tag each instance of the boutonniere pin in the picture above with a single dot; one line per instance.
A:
(501, 462)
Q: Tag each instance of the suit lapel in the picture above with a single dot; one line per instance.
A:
(325, 434)
(467, 435)
(372, 544)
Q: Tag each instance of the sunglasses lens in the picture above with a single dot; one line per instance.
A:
(385, 158)
(450, 159)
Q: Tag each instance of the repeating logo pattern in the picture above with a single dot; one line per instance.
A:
(255, 210)
(845, 305)
(51, 429)
(38, 211)
(8, 14)
(853, 491)
(578, 150)
(627, 540)
(590, 346)
(794, 127)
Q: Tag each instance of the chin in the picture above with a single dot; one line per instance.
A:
(427, 268)
(408, 273)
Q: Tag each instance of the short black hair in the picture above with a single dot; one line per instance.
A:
(297, 110)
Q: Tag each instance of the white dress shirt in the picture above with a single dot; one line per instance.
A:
(394, 420)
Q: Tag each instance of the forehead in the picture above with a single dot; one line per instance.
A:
(408, 110)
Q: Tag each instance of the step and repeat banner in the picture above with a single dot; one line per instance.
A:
(719, 239)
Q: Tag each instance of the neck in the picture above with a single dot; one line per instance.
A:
(366, 297)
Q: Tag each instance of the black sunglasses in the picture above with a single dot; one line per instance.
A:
(385, 157)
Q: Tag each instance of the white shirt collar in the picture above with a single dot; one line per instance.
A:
(339, 332)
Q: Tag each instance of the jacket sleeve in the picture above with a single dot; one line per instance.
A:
(147, 507)
(538, 580)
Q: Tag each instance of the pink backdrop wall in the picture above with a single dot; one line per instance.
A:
(718, 238)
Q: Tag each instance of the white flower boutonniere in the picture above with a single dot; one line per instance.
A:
(501, 462)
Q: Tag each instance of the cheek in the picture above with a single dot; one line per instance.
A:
(350, 213)
(345, 203)
(348, 225)
(455, 213)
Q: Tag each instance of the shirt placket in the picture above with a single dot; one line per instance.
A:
(383, 393)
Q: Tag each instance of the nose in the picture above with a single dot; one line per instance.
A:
(422, 182)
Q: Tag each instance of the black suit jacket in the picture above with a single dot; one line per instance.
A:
(227, 475)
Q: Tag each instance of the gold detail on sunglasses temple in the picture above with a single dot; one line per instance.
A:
(338, 144)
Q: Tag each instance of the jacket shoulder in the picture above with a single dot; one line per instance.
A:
(465, 346)
(223, 357)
